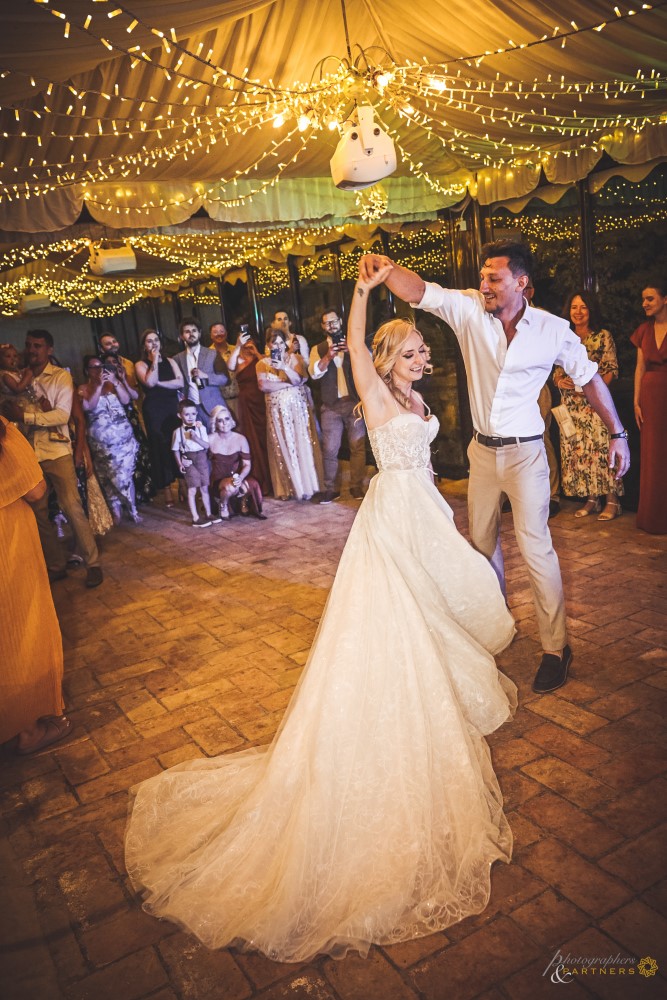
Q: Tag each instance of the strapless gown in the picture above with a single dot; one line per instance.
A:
(374, 816)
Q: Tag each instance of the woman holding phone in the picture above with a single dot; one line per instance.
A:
(295, 459)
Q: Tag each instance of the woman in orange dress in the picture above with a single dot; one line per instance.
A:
(31, 701)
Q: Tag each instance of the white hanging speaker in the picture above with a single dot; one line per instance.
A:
(364, 155)
(109, 260)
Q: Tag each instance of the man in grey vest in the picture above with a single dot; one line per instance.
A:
(330, 365)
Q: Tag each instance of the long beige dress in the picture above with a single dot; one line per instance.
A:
(31, 652)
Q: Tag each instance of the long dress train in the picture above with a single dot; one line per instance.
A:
(375, 814)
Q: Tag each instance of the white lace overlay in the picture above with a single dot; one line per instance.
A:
(375, 815)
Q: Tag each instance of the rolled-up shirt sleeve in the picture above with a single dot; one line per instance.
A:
(454, 306)
(574, 360)
(314, 369)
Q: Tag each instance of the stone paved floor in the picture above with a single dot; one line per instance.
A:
(192, 647)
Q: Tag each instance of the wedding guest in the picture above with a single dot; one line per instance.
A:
(282, 322)
(231, 481)
(110, 355)
(31, 706)
(197, 365)
(112, 442)
(110, 351)
(190, 447)
(585, 471)
(47, 424)
(295, 459)
(252, 407)
(161, 380)
(650, 339)
(224, 350)
(330, 364)
(15, 378)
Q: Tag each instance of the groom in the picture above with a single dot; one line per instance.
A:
(509, 350)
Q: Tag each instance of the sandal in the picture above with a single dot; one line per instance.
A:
(590, 507)
(57, 727)
(611, 515)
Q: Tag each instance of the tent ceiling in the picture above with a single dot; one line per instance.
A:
(145, 112)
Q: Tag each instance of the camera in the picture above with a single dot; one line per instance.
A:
(337, 337)
(276, 354)
(106, 367)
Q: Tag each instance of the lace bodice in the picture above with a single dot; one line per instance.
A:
(404, 442)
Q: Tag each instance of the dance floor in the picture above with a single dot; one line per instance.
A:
(192, 648)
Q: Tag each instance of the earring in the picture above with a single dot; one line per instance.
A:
(428, 368)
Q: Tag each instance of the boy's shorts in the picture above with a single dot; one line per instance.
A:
(196, 475)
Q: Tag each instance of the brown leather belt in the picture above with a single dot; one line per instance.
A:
(498, 442)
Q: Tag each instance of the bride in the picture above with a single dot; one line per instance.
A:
(375, 815)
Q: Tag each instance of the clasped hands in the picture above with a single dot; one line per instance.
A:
(374, 268)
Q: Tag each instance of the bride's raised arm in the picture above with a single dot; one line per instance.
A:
(369, 385)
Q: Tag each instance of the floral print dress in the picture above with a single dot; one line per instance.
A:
(585, 468)
(114, 449)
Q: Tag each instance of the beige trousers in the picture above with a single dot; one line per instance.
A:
(521, 472)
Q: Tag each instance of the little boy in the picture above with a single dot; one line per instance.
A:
(190, 447)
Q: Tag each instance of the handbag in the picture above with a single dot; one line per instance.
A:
(565, 422)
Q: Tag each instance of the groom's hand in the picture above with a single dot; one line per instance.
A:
(619, 457)
(371, 263)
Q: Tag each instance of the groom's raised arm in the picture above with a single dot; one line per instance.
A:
(400, 280)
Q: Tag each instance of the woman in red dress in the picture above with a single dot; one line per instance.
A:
(252, 407)
(650, 339)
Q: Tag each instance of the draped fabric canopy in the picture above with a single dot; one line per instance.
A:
(145, 113)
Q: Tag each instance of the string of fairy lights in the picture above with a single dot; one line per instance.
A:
(200, 259)
(207, 104)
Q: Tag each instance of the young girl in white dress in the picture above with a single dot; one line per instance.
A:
(374, 816)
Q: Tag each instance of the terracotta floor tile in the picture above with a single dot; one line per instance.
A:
(636, 809)
(373, 976)
(132, 978)
(639, 929)
(505, 949)
(584, 884)
(571, 717)
(549, 919)
(197, 971)
(81, 762)
(214, 736)
(408, 953)
(571, 824)
(568, 781)
(562, 743)
(633, 768)
(641, 861)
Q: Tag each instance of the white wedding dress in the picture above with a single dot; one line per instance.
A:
(375, 814)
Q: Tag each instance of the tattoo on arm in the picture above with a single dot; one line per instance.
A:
(360, 292)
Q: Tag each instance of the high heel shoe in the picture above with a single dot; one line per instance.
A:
(612, 510)
(590, 507)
